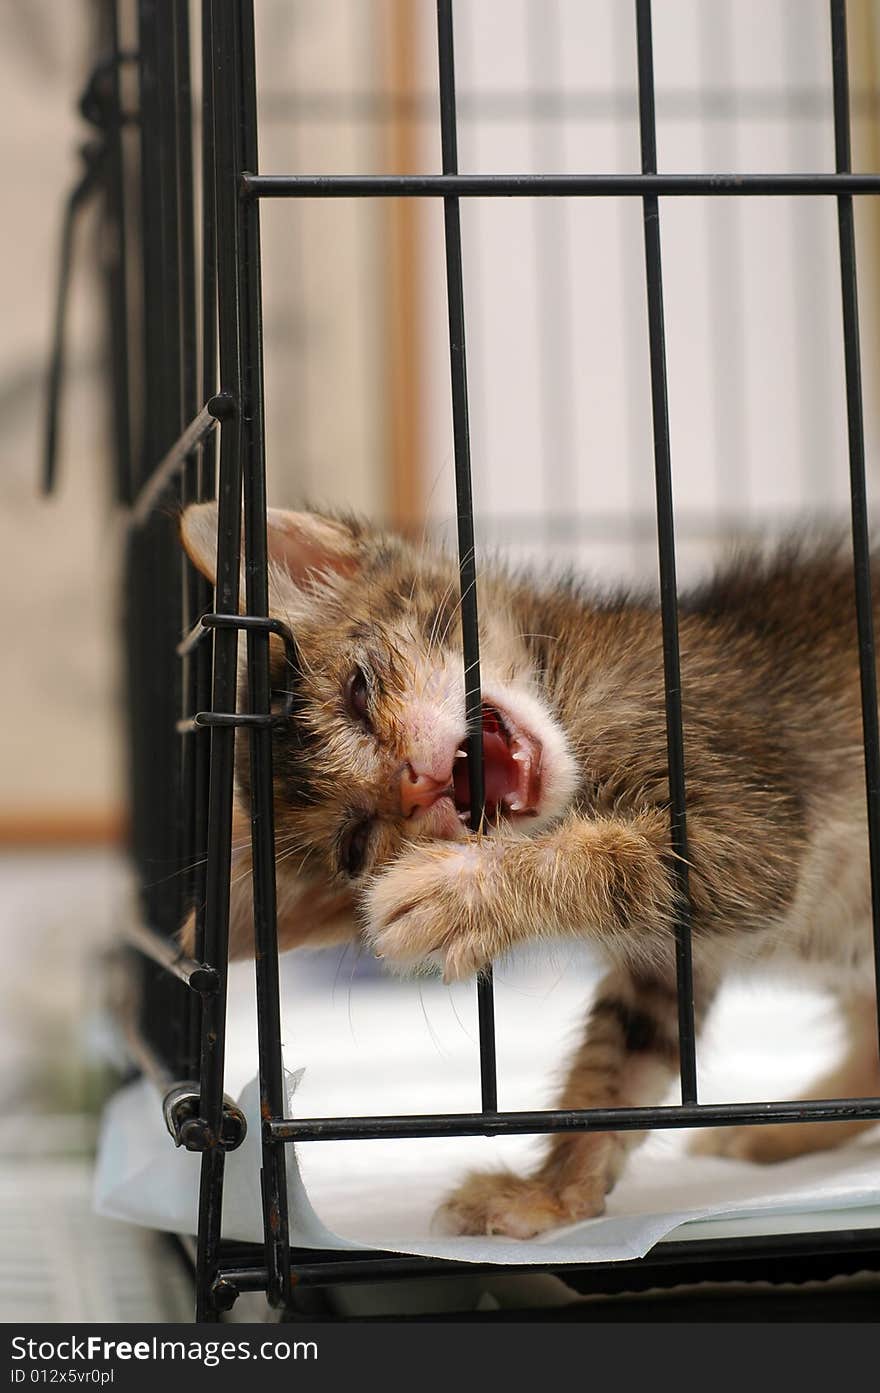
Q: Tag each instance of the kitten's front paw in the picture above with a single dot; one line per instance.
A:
(434, 902)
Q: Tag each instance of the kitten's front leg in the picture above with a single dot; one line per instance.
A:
(470, 902)
(609, 879)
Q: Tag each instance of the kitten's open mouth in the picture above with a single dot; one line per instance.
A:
(511, 770)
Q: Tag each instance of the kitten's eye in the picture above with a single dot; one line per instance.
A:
(353, 851)
(357, 697)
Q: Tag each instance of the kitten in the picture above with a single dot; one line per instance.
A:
(372, 802)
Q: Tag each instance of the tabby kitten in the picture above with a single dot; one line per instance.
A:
(372, 804)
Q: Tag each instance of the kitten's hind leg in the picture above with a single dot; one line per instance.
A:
(627, 1058)
(857, 1076)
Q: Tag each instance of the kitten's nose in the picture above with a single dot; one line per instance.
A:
(419, 790)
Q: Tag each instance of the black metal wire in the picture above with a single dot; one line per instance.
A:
(553, 279)
(551, 185)
(793, 1257)
(507, 1124)
(165, 220)
(470, 629)
(272, 1093)
(224, 116)
(858, 489)
(94, 156)
(181, 453)
(724, 228)
(688, 1114)
(153, 565)
(101, 105)
(163, 951)
(117, 265)
(666, 552)
(195, 589)
(201, 666)
(186, 263)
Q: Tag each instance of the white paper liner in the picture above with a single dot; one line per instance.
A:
(379, 1046)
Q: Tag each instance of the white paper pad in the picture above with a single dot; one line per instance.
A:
(367, 1046)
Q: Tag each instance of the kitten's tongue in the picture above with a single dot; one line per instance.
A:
(500, 775)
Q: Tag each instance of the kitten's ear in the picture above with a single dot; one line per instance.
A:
(198, 533)
(302, 544)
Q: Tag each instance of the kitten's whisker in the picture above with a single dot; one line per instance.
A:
(357, 958)
(459, 605)
(438, 616)
(191, 866)
(456, 579)
(451, 993)
(340, 961)
(237, 879)
(431, 1032)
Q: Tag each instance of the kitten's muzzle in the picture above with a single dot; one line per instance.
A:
(419, 790)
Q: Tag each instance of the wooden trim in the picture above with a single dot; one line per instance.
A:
(405, 483)
(61, 827)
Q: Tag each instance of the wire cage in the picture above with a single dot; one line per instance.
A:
(185, 321)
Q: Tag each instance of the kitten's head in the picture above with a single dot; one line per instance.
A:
(374, 755)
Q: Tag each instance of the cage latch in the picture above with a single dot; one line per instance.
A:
(182, 1107)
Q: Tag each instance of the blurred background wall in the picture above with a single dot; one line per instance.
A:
(58, 752)
(559, 375)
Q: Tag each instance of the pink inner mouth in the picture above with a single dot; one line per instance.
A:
(511, 770)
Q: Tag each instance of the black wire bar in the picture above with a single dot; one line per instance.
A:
(470, 628)
(163, 951)
(666, 555)
(220, 123)
(117, 258)
(230, 98)
(272, 1091)
(550, 185)
(153, 567)
(792, 1256)
(77, 199)
(858, 488)
(506, 1124)
(200, 484)
(182, 452)
(101, 105)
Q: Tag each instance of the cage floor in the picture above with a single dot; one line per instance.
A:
(367, 1044)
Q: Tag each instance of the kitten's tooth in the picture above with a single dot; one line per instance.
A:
(515, 806)
(461, 754)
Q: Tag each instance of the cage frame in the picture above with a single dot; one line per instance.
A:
(186, 451)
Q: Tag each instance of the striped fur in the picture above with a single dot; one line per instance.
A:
(776, 808)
